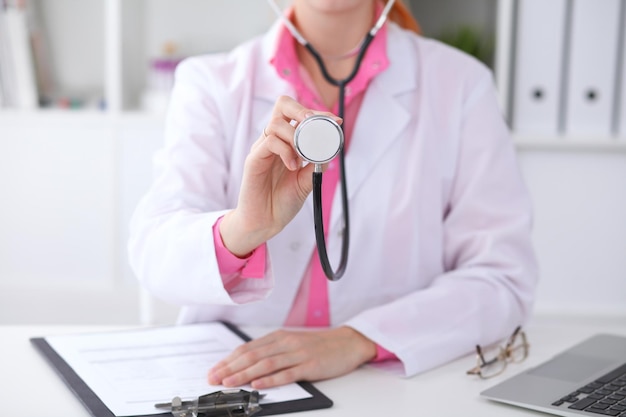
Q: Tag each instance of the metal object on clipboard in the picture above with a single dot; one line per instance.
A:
(227, 403)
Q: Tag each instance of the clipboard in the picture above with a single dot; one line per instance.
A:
(97, 407)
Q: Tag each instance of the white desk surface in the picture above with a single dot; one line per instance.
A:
(30, 387)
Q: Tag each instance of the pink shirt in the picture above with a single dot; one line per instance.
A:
(310, 308)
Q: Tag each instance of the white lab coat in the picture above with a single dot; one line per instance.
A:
(440, 251)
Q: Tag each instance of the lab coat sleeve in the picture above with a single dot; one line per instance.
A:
(488, 287)
(171, 245)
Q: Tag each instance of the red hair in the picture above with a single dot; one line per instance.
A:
(401, 15)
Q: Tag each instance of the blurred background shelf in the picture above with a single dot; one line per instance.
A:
(569, 143)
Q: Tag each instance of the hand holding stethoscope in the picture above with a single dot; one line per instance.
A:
(275, 183)
(317, 140)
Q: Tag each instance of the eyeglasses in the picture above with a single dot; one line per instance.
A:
(492, 362)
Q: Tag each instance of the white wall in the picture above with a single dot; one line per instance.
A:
(580, 229)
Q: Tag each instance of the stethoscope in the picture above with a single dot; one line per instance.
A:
(319, 139)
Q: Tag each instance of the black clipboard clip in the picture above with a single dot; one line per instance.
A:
(227, 403)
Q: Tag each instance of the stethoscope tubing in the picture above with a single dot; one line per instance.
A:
(320, 237)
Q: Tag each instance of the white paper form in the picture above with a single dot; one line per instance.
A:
(130, 371)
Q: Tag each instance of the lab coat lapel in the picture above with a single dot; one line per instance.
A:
(381, 121)
(291, 244)
(268, 86)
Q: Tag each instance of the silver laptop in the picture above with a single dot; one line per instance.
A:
(586, 379)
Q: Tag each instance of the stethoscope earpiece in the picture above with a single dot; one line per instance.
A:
(318, 139)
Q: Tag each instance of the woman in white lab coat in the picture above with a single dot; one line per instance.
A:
(440, 257)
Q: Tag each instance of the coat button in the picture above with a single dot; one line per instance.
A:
(295, 246)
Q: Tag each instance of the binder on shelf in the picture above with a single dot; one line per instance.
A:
(3, 58)
(592, 67)
(621, 106)
(6, 71)
(539, 55)
(18, 71)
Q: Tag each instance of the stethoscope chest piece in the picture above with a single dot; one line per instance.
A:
(318, 139)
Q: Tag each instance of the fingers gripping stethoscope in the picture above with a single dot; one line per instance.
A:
(319, 139)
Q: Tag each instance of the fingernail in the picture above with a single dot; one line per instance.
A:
(228, 382)
(293, 165)
(309, 114)
(213, 380)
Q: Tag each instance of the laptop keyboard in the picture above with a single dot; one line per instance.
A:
(605, 396)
